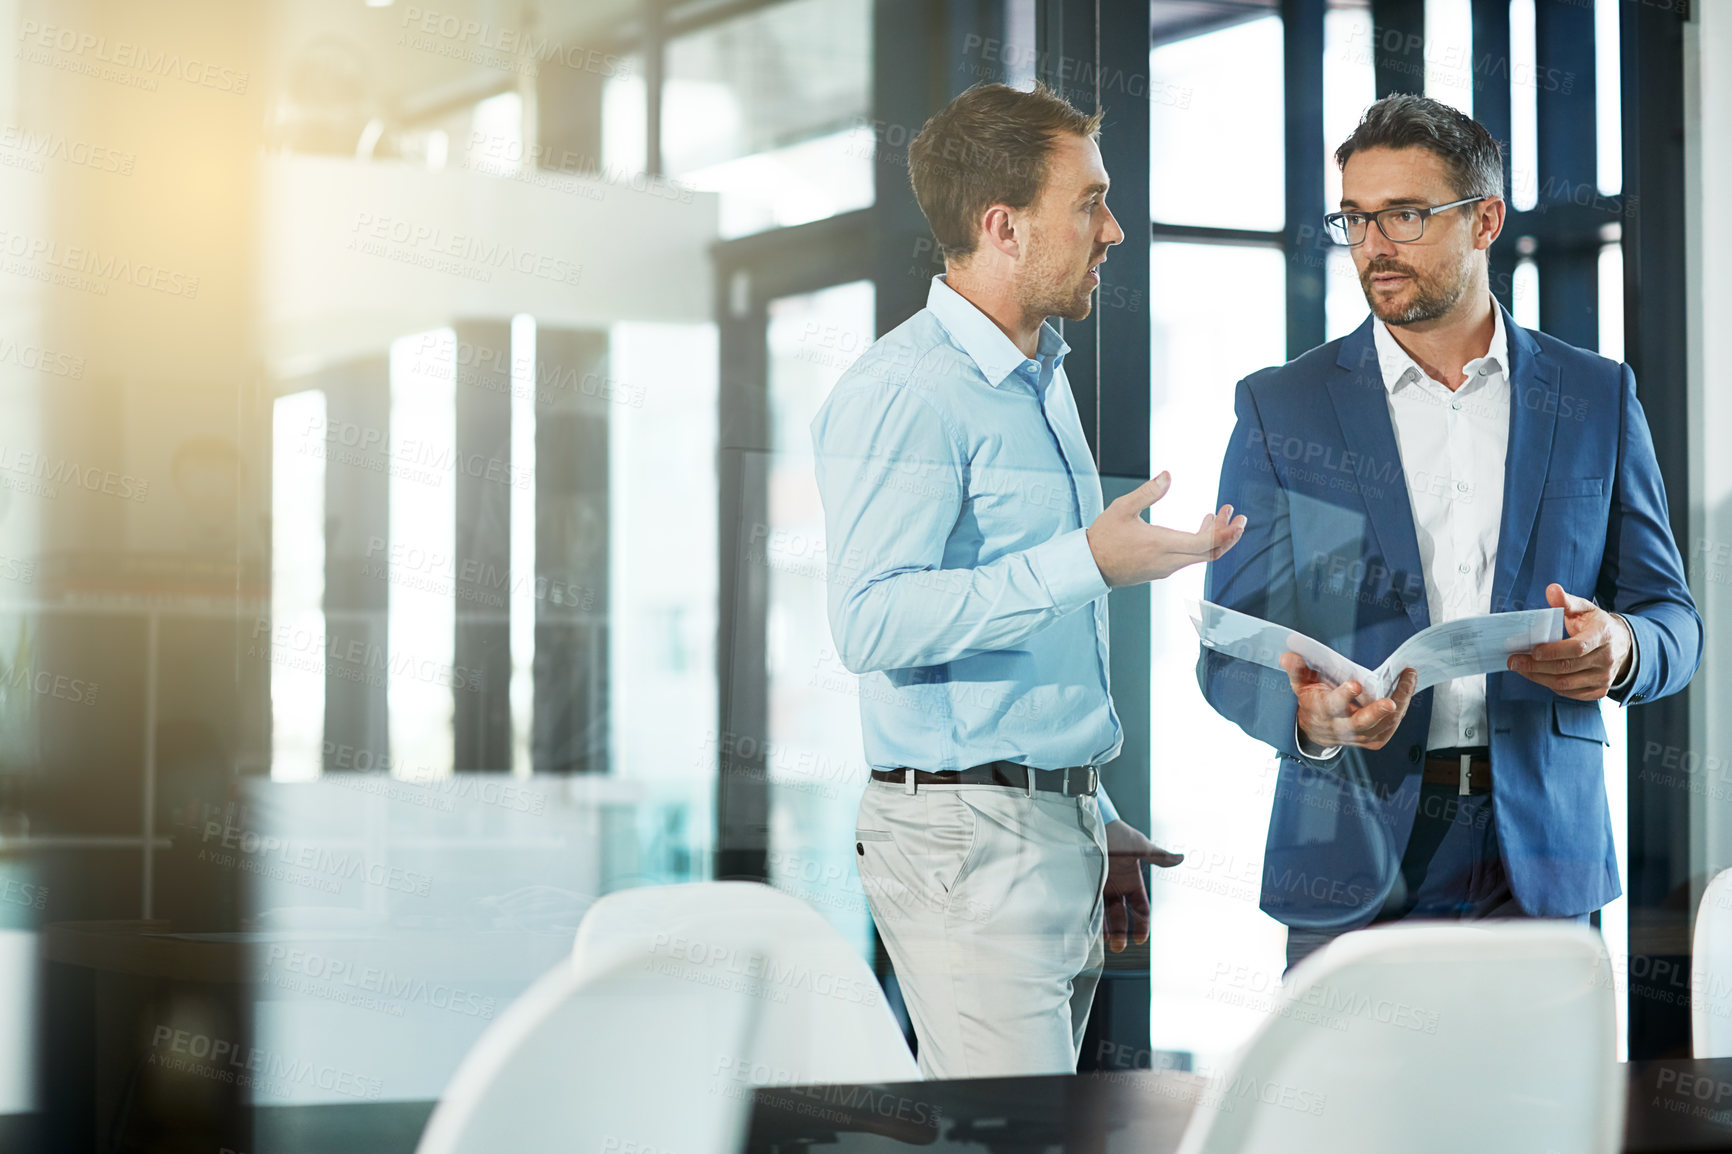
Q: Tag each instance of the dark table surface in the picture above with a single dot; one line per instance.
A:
(1675, 1106)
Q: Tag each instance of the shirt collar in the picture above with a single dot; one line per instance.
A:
(985, 343)
(1399, 369)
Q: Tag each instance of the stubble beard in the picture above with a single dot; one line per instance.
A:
(1432, 298)
(1043, 286)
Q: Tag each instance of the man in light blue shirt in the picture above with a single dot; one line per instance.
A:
(970, 559)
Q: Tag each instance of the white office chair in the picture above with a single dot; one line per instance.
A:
(615, 1062)
(677, 1000)
(825, 1019)
(1711, 971)
(1429, 1038)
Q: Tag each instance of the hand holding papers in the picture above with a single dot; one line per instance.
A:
(1459, 648)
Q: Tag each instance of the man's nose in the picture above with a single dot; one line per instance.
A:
(1376, 244)
(1113, 234)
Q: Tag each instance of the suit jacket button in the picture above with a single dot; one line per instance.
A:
(1413, 752)
(860, 849)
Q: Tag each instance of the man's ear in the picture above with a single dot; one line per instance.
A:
(1488, 221)
(998, 228)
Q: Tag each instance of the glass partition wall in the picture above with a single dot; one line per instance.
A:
(408, 530)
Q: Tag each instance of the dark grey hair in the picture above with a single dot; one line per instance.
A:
(1402, 120)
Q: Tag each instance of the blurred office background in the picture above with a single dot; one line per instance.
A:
(407, 524)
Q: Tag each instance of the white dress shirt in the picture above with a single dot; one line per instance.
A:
(1454, 448)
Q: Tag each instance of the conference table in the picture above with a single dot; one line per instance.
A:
(1675, 1106)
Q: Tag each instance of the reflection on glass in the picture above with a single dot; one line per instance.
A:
(522, 562)
(1524, 108)
(662, 476)
(1525, 294)
(816, 763)
(768, 110)
(787, 72)
(1608, 98)
(787, 186)
(1448, 54)
(1212, 786)
(624, 119)
(1615, 917)
(1349, 88)
(1197, 85)
(298, 584)
(1344, 307)
(421, 621)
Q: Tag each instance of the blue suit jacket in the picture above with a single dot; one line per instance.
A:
(1330, 550)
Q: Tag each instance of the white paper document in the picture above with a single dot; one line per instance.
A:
(1459, 648)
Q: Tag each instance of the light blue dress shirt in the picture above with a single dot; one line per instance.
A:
(957, 490)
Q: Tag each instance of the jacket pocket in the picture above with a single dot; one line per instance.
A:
(1573, 487)
(1578, 719)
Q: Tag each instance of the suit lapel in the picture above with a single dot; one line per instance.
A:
(1533, 418)
(1362, 407)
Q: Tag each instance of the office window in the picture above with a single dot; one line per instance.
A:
(1197, 86)
(816, 764)
(421, 553)
(1349, 88)
(662, 560)
(769, 110)
(1219, 313)
(1609, 99)
(1523, 157)
(1448, 62)
(298, 584)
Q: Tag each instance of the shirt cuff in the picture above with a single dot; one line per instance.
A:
(1109, 813)
(1067, 567)
(1623, 684)
(1309, 751)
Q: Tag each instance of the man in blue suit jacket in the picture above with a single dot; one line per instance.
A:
(1438, 463)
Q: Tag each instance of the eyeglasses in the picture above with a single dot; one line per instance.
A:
(1402, 224)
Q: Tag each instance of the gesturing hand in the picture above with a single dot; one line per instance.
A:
(1127, 902)
(1328, 714)
(1128, 550)
(1586, 663)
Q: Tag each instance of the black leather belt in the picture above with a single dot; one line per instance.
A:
(1073, 781)
(1468, 770)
